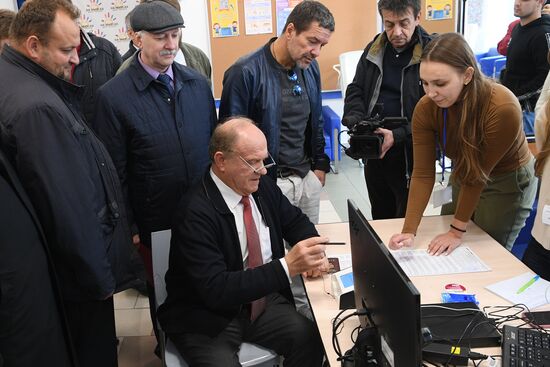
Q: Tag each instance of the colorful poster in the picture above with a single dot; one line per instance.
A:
(105, 18)
(283, 9)
(224, 18)
(257, 17)
(439, 9)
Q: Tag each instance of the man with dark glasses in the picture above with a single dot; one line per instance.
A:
(279, 87)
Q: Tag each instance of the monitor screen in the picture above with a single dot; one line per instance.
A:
(386, 292)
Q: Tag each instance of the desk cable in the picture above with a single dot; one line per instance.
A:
(337, 323)
(474, 356)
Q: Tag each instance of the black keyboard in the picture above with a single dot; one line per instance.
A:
(525, 347)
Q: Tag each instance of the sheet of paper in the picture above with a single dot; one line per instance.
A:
(419, 262)
(343, 259)
(535, 295)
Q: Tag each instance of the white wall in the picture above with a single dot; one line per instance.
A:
(7, 4)
(195, 16)
(487, 22)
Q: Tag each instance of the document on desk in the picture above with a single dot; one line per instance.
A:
(419, 262)
(527, 288)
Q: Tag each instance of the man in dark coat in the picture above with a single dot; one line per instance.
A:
(99, 62)
(156, 131)
(66, 172)
(32, 325)
(228, 278)
(388, 75)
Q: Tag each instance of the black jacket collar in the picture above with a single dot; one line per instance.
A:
(65, 89)
(88, 49)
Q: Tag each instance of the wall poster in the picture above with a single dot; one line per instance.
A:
(257, 14)
(439, 9)
(105, 18)
(283, 9)
(224, 18)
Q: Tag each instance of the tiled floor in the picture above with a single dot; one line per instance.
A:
(133, 322)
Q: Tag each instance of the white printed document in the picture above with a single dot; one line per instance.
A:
(419, 262)
(527, 288)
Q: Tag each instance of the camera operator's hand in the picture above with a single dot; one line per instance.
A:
(351, 121)
(388, 140)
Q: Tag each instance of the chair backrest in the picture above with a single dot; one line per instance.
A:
(160, 243)
(499, 65)
(487, 64)
(348, 66)
(249, 354)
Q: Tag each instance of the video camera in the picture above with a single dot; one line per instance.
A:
(364, 143)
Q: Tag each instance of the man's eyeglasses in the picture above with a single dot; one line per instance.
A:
(293, 77)
(267, 164)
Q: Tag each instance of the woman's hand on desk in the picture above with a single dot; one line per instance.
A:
(444, 244)
(400, 240)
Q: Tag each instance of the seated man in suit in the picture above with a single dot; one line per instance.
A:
(228, 279)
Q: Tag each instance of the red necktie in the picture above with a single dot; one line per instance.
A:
(254, 252)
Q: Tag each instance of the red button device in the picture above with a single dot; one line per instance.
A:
(455, 287)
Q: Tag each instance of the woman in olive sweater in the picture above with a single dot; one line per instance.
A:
(478, 124)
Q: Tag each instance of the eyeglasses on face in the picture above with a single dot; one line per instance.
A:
(267, 164)
(293, 77)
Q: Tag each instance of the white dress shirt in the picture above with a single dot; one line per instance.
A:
(233, 201)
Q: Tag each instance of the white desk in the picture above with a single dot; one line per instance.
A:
(503, 264)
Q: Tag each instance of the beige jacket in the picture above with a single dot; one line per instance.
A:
(541, 231)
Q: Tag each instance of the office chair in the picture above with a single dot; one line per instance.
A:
(331, 130)
(249, 354)
(346, 72)
(346, 68)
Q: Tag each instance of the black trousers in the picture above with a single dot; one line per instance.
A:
(387, 185)
(280, 328)
(92, 325)
(537, 258)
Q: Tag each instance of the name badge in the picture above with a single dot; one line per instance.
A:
(442, 195)
(546, 215)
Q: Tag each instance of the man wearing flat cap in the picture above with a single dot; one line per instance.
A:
(156, 118)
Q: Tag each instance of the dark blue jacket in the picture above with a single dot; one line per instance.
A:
(159, 145)
(252, 88)
(68, 176)
(206, 283)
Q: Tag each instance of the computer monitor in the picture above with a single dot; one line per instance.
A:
(382, 288)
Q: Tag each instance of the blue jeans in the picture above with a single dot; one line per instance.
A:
(529, 123)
